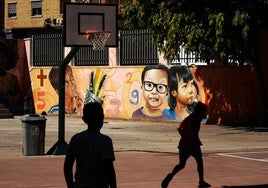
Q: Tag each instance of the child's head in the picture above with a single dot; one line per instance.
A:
(200, 109)
(93, 116)
(155, 81)
(181, 86)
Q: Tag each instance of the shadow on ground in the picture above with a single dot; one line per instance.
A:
(247, 128)
(247, 186)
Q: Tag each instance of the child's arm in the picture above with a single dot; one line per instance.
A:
(110, 173)
(180, 127)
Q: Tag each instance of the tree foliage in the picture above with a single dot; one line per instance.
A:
(213, 29)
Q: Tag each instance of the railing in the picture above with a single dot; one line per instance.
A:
(48, 50)
(136, 47)
(187, 59)
(86, 56)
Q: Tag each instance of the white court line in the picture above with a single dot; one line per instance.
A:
(240, 157)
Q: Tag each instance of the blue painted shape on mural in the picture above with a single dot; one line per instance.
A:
(134, 97)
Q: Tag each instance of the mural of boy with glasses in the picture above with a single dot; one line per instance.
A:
(183, 93)
(155, 81)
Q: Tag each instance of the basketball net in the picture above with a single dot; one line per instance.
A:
(98, 38)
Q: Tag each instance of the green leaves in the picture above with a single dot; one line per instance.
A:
(242, 19)
(210, 28)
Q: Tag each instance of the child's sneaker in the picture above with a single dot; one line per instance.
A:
(204, 184)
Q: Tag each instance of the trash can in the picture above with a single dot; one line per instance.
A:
(33, 134)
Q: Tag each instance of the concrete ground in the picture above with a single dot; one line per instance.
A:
(145, 153)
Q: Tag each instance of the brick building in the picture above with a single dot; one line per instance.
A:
(22, 17)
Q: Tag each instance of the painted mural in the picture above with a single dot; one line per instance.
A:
(130, 93)
(153, 92)
(118, 89)
(154, 81)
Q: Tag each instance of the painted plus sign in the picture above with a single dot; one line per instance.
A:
(41, 76)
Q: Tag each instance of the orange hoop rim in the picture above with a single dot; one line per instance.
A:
(96, 32)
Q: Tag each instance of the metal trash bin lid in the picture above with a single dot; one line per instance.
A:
(94, 97)
(33, 117)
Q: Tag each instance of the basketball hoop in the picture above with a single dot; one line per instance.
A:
(98, 38)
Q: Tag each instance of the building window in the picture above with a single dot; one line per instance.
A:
(36, 8)
(12, 10)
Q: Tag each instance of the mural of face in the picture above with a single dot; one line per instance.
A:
(70, 85)
(155, 89)
(185, 94)
(73, 98)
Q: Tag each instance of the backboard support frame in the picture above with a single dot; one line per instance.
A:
(81, 17)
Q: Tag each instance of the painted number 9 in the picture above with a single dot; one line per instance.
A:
(134, 100)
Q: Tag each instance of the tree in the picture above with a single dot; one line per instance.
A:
(210, 28)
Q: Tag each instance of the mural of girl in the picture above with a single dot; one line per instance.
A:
(183, 93)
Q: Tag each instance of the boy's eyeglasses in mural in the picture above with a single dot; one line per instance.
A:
(149, 86)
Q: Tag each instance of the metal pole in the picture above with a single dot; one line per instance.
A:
(61, 146)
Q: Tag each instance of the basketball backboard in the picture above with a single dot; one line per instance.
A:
(82, 17)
